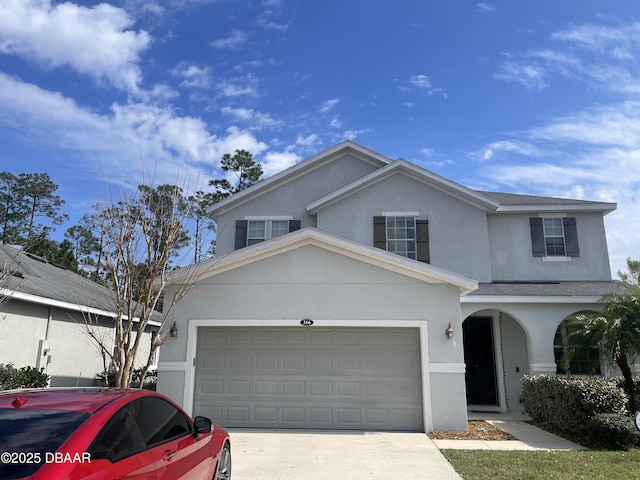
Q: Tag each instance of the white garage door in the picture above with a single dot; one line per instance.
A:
(310, 377)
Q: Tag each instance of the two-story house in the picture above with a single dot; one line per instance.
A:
(353, 291)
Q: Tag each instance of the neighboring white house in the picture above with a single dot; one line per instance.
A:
(42, 319)
(353, 291)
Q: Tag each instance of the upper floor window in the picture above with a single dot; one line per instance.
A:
(554, 237)
(261, 230)
(256, 230)
(404, 234)
(401, 236)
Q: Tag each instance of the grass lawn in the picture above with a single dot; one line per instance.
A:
(522, 465)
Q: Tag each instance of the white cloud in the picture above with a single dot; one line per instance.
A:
(255, 120)
(328, 105)
(598, 55)
(353, 134)
(421, 81)
(274, 162)
(486, 7)
(532, 77)
(233, 41)
(193, 76)
(239, 86)
(121, 140)
(95, 41)
(335, 122)
(510, 146)
(424, 82)
(616, 124)
(309, 141)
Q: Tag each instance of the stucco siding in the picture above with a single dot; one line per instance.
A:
(291, 198)
(22, 324)
(448, 399)
(458, 237)
(329, 288)
(512, 258)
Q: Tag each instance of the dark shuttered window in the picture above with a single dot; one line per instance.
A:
(250, 232)
(403, 235)
(554, 236)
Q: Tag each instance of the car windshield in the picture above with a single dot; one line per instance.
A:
(33, 432)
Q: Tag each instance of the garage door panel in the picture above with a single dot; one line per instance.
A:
(304, 378)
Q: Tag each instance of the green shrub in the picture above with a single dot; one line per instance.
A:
(613, 431)
(569, 403)
(23, 377)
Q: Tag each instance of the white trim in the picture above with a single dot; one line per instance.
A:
(552, 215)
(192, 341)
(528, 299)
(172, 366)
(565, 207)
(435, 367)
(556, 259)
(268, 217)
(400, 214)
(543, 367)
(498, 357)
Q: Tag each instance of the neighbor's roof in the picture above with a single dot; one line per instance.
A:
(34, 279)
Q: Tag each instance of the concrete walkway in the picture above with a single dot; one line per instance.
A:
(528, 436)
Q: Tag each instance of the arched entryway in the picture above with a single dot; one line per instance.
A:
(496, 358)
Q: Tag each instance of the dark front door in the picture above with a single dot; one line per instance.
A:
(477, 335)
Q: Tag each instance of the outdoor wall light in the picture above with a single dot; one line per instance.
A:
(449, 332)
(173, 331)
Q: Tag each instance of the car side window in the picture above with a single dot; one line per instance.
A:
(159, 421)
(118, 439)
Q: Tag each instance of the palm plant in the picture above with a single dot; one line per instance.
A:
(615, 331)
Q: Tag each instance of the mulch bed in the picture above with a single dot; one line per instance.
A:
(478, 430)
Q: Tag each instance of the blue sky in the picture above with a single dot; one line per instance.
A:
(538, 97)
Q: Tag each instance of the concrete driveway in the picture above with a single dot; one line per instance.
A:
(311, 455)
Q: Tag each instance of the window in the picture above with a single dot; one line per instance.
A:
(401, 236)
(554, 237)
(250, 232)
(582, 363)
(120, 438)
(261, 230)
(159, 421)
(404, 235)
(34, 431)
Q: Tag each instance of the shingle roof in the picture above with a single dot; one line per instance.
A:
(518, 199)
(547, 289)
(34, 275)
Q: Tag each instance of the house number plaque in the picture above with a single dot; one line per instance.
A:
(306, 322)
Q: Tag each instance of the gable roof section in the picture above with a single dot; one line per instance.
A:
(513, 203)
(330, 242)
(299, 169)
(404, 167)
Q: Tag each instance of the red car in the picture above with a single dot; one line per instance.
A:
(108, 434)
